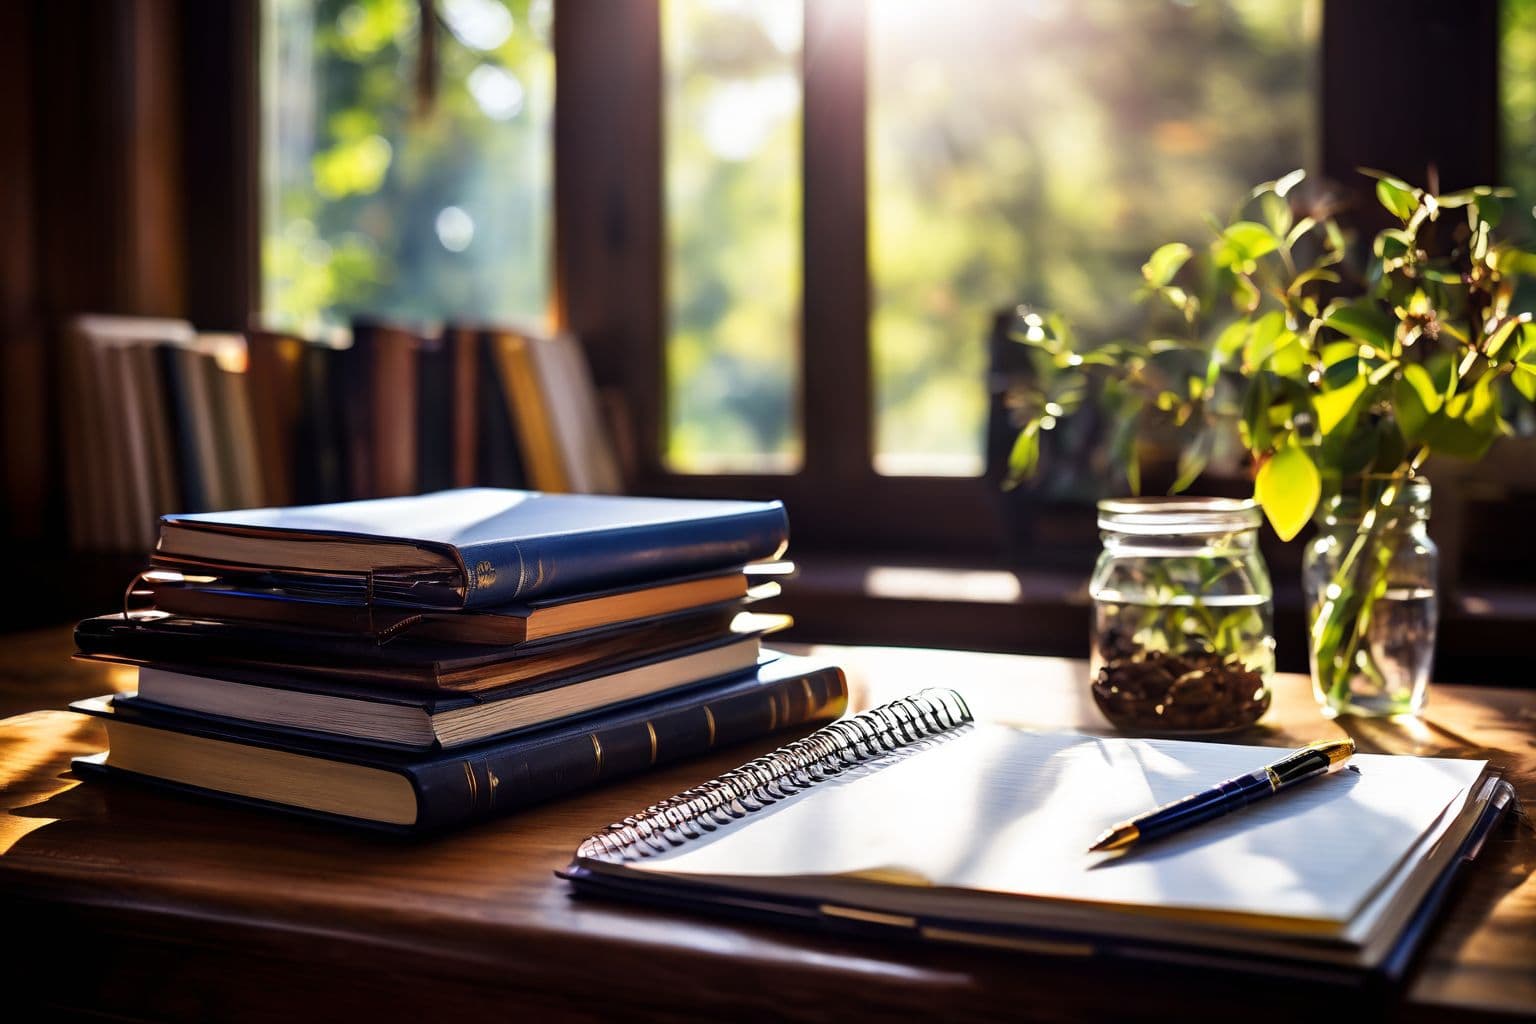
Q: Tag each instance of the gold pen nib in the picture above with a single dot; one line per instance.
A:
(1115, 838)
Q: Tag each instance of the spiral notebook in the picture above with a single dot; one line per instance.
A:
(913, 821)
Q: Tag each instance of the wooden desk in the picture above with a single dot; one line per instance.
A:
(144, 905)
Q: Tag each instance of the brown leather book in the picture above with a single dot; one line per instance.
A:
(275, 374)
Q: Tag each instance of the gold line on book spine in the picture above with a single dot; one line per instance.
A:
(650, 727)
(709, 716)
(474, 786)
(597, 752)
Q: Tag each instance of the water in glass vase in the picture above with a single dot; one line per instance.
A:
(1182, 662)
(1392, 670)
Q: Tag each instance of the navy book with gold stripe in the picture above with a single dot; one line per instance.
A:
(405, 792)
(477, 547)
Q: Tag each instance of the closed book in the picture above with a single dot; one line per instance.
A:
(382, 399)
(530, 402)
(250, 599)
(275, 656)
(425, 793)
(479, 547)
(498, 458)
(421, 721)
(275, 371)
(436, 414)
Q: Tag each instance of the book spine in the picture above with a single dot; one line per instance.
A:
(521, 570)
(485, 784)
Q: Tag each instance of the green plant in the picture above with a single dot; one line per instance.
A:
(1327, 371)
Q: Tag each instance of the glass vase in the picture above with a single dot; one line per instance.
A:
(1182, 640)
(1369, 578)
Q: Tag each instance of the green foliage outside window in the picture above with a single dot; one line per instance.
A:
(384, 198)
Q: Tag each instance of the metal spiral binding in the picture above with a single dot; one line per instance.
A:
(909, 724)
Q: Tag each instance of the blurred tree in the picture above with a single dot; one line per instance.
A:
(375, 205)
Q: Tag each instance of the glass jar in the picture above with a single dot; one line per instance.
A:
(1372, 610)
(1182, 610)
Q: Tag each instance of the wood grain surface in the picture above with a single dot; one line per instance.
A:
(140, 905)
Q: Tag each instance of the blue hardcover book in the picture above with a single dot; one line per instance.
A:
(480, 547)
(406, 792)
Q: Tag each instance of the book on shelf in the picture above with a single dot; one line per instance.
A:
(498, 458)
(479, 547)
(404, 792)
(118, 445)
(282, 656)
(518, 356)
(252, 599)
(276, 366)
(912, 822)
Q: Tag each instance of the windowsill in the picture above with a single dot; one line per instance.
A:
(981, 605)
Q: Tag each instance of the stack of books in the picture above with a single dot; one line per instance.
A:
(422, 662)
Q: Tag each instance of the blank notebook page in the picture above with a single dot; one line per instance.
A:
(1004, 810)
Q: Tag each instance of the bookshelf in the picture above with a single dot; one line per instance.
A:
(159, 417)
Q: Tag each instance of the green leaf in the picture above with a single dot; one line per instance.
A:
(1288, 488)
(1231, 339)
(1255, 423)
(1192, 460)
(1416, 399)
(1335, 408)
(1361, 319)
(1025, 455)
(1165, 262)
(1245, 294)
(1250, 240)
(1467, 424)
(1399, 200)
(1341, 373)
(1290, 357)
(1393, 244)
(1277, 213)
(1490, 209)
(1524, 379)
(1266, 336)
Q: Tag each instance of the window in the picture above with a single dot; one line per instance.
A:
(407, 173)
(782, 226)
(1036, 153)
(732, 145)
(1517, 93)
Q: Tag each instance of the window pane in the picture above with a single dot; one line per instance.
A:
(1036, 152)
(1517, 92)
(383, 198)
(732, 138)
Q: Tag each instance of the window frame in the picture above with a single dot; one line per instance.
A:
(609, 235)
(608, 172)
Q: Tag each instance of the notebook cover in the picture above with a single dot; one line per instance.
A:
(515, 545)
(486, 780)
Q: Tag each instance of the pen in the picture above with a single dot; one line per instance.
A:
(1314, 759)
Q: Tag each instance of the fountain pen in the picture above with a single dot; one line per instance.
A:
(1312, 760)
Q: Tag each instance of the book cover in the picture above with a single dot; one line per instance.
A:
(275, 656)
(501, 776)
(478, 547)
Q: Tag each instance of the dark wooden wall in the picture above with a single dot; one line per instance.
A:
(127, 176)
